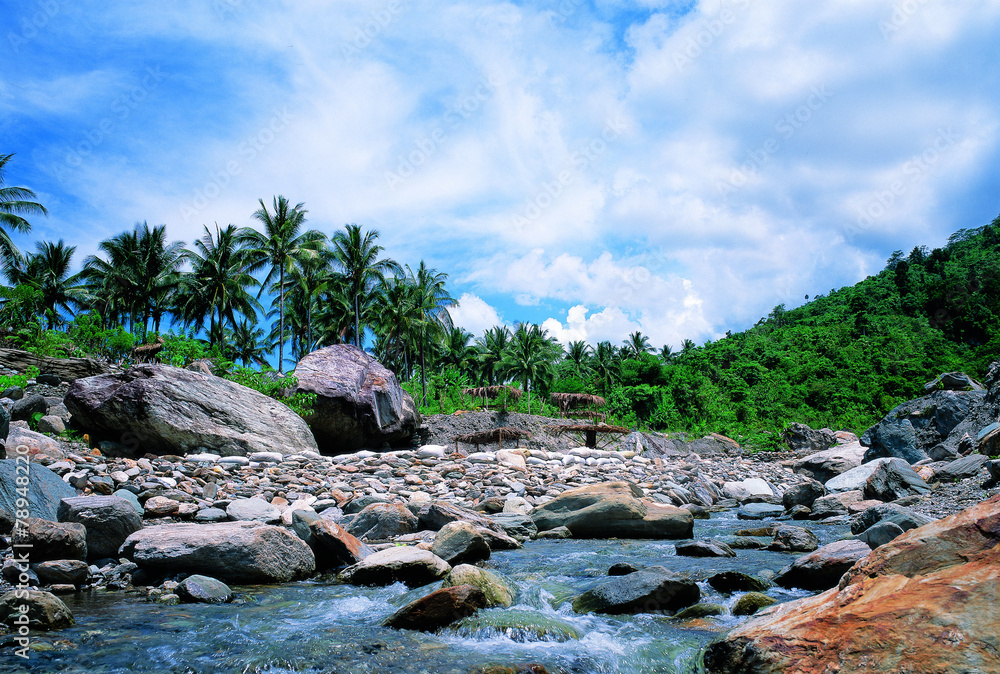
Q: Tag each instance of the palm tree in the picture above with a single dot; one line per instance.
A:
(667, 353)
(48, 272)
(280, 246)
(687, 346)
(458, 352)
(529, 357)
(491, 349)
(431, 303)
(395, 306)
(357, 255)
(607, 365)
(217, 285)
(578, 353)
(636, 345)
(14, 203)
(247, 343)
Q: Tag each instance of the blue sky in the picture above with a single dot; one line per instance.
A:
(674, 167)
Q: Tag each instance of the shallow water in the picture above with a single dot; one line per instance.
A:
(324, 627)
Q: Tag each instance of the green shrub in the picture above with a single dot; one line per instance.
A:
(275, 386)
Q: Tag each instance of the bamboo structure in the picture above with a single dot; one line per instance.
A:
(589, 431)
(571, 401)
(488, 393)
(497, 435)
(146, 353)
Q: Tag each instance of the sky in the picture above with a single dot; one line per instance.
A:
(675, 167)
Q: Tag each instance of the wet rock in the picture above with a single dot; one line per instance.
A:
(359, 403)
(622, 569)
(460, 543)
(804, 494)
(176, 410)
(241, 552)
(557, 533)
(759, 511)
(728, 582)
(498, 590)
(438, 609)
(380, 521)
(109, 520)
(822, 466)
(612, 510)
(822, 568)
(893, 480)
(204, 590)
(45, 610)
(52, 540)
(517, 526)
(697, 611)
(793, 539)
(45, 489)
(62, 571)
(520, 626)
(652, 590)
(879, 534)
(252, 510)
(752, 602)
(703, 548)
(406, 564)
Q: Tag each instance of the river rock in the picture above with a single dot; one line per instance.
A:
(893, 480)
(27, 407)
(253, 510)
(38, 445)
(804, 440)
(793, 539)
(612, 510)
(435, 515)
(406, 564)
(359, 403)
(804, 494)
(829, 463)
(652, 590)
(460, 543)
(752, 602)
(45, 610)
(901, 516)
(520, 626)
(45, 489)
(240, 552)
(498, 590)
(161, 506)
(879, 534)
(163, 409)
(52, 540)
(438, 609)
(703, 548)
(727, 582)
(334, 546)
(516, 526)
(62, 571)
(203, 590)
(909, 430)
(759, 511)
(380, 521)
(109, 520)
(822, 568)
(961, 468)
(854, 478)
(925, 602)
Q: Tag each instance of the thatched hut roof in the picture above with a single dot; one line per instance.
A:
(493, 392)
(584, 428)
(568, 401)
(586, 414)
(146, 352)
(492, 435)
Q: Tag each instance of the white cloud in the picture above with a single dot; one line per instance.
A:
(474, 314)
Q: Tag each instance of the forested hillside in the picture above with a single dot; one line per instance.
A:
(841, 360)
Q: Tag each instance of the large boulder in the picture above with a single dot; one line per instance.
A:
(380, 521)
(47, 540)
(854, 478)
(612, 510)
(460, 543)
(904, 518)
(333, 545)
(44, 610)
(405, 564)
(45, 489)
(822, 568)
(38, 445)
(359, 403)
(438, 609)
(830, 463)
(651, 590)
(66, 369)
(910, 430)
(499, 590)
(924, 602)
(892, 480)
(238, 552)
(953, 381)
(27, 407)
(802, 439)
(109, 520)
(163, 409)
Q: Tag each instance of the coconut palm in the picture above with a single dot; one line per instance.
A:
(491, 349)
(15, 202)
(357, 256)
(579, 353)
(431, 303)
(396, 307)
(458, 352)
(48, 272)
(529, 357)
(216, 287)
(667, 353)
(636, 345)
(279, 247)
(607, 365)
(246, 343)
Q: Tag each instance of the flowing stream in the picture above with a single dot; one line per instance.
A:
(315, 626)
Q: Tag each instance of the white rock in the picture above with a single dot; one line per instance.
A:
(432, 452)
(517, 505)
(854, 478)
(235, 460)
(119, 477)
(512, 459)
(481, 457)
(757, 487)
(198, 458)
(267, 457)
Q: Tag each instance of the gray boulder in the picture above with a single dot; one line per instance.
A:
(879, 534)
(892, 480)
(4, 425)
(651, 590)
(804, 493)
(240, 552)
(498, 589)
(109, 520)
(45, 610)
(703, 548)
(66, 369)
(359, 403)
(901, 516)
(822, 568)
(204, 590)
(829, 463)
(961, 468)
(27, 407)
(406, 564)
(381, 521)
(855, 478)
(158, 408)
(759, 511)
(460, 543)
(45, 489)
(52, 540)
(911, 429)
(438, 609)
(62, 571)
(517, 526)
(793, 539)
(804, 440)
(253, 510)
(953, 381)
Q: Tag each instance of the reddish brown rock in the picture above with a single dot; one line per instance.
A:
(438, 609)
(335, 547)
(925, 602)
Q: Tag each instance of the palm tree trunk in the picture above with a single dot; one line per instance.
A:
(281, 326)
(423, 374)
(357, 321)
